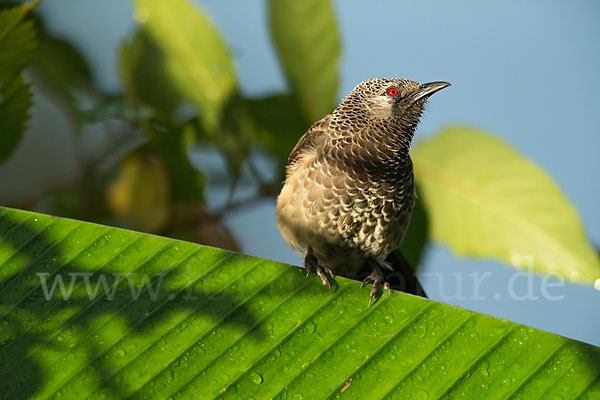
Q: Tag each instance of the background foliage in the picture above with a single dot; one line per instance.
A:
(180, 92)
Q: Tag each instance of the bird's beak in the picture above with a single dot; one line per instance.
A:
(427, 89)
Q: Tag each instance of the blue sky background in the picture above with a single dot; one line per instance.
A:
(526, 71)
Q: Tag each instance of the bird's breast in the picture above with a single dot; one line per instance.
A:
(338, 204)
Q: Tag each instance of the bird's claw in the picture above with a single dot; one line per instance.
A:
(378, 283)
(321, 271)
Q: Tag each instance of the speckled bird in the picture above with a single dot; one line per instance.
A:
(349, 190)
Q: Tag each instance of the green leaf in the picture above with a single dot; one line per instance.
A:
(15, 100)
(140, 62)
(174, 144)
(11, 17)
(141, 192)
(61, 69)
(307, 41)
(223, 324)
(197, 59)
(17, 46)
(17, 40)
(484, 199)
(278, 123)
(415, 240)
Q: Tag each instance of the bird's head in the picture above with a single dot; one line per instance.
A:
(389, 98)
(396, 103)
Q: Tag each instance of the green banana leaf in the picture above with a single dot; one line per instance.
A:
(89, 310)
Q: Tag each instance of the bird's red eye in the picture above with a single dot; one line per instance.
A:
(392, 91)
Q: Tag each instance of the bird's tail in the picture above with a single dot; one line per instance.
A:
(402, 277)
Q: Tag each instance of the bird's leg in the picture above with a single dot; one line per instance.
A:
(311, 264)
(376, 278)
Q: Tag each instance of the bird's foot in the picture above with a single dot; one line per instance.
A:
(376, 278)
(311, 264)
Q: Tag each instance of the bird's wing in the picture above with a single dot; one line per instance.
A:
(313, 136)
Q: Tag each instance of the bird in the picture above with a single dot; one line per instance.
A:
(349, 189)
